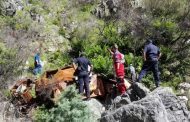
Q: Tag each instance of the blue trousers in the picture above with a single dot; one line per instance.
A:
(84, 84)
(150, 66)
(37, 70)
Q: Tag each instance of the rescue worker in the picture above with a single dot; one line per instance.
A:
(118, 61)
(37, 64)
(82, 72)
(151, 56)
(132, 71)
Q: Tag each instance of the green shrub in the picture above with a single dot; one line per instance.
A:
(41, 114)
(100, 57)
(174, 82)
(148, 81)
(58, 59)
(6, 93)
(70, 108)
(10, 64)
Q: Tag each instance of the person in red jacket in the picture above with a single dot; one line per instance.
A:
(118, 61)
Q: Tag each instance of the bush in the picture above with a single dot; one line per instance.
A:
(10, 64)
(41, 114)
(101, 59)
(70, 108)
(58, 59)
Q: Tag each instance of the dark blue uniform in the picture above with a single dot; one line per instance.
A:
(83, 76)
(151, 63)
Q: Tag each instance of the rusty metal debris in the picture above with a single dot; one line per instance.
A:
(49, 87)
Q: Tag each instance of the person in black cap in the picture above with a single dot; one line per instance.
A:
(151, 56)
(82, 73)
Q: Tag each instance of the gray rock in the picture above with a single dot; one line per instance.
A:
(113, 5)
(176, 109)
(161, 105)
(95, 107)
(185, 86)
(100, 10)
(137, 91)
(149, 109)
(120, 101)
(9, 7)
(183, 99)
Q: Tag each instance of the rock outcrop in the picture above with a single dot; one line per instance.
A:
(107, 8)
(185, 86)
(161, 105)
(9, 7)
(96, 108)
(135, 92)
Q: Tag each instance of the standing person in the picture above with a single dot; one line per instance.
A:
(37, 64)
(151, 56)
(118, 60)
(82, 72)
(132, 71)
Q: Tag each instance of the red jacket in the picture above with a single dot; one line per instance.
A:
(118, 61)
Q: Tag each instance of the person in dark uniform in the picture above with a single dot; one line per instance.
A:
(151, 55)
(82, 73)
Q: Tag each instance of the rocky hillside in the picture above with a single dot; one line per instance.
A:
(61, 29)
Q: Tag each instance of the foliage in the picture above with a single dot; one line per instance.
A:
(70, 108)
(41, 114)
(6, 93)
(176, 80)
(58, 59)
(101, 59)
(22, 20)
(9, 64)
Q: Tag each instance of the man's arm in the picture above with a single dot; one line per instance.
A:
(144, 56)
(91, 66)
(37, 60)
(159, 54)
(74, 66)
(145, 52)
(110, 51)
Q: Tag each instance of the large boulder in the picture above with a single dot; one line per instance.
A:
(95, 107)
(159, 106)
(119, 101)
(176, 109)
(138, 90)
